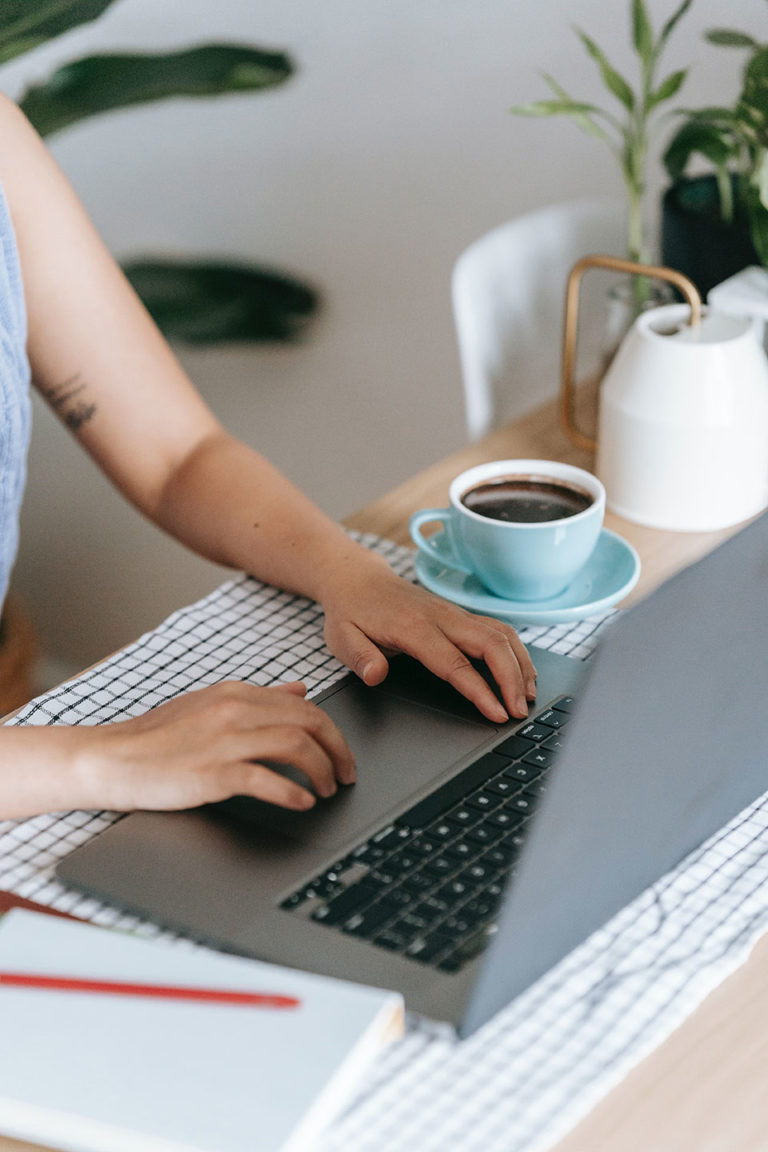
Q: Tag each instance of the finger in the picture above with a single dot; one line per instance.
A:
(446, 659)
(288, 744)
(508, 660)
(250, 710)
(260, 781)
(359, 653)
(294, 687)
(524, 658)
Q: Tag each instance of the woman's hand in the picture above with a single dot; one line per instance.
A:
(201, 747)
(215, 743)
(371, 613)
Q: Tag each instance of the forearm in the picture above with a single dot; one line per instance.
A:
(228, 503)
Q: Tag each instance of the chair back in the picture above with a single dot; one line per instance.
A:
(508, 298)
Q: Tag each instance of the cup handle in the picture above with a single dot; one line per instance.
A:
(427, 544)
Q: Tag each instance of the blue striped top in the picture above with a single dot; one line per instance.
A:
(15, 409)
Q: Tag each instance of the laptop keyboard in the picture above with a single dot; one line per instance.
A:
(429, 885)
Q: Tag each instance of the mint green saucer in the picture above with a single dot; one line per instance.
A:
(608, 576)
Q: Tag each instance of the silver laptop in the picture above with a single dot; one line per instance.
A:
(470, 858)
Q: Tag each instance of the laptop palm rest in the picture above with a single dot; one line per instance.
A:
(400, 748)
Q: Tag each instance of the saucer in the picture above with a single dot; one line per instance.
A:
(610, 574)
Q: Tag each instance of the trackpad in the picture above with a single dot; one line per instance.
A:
(400, 747)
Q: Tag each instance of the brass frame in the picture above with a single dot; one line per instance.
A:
(612, 264)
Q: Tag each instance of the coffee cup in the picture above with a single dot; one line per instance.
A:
(525, 528)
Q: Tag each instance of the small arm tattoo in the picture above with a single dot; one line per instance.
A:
(70, 402)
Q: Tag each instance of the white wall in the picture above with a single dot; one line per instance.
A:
(368, 173)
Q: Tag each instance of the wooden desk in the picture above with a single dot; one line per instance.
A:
(704, 1089)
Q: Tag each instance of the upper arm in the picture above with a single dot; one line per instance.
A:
(95, 353)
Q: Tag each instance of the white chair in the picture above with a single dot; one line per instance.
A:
(508, 297)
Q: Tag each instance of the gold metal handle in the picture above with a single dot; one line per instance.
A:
(613, 264)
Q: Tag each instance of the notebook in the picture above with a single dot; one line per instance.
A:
(107, 1071)
(643, 768)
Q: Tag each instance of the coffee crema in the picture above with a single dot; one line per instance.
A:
(526, 499)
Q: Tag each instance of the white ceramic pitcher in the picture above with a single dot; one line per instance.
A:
(682, 437)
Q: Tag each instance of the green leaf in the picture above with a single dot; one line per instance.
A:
(669, 27)
(755, 92)
(611, 78)
(668, 88)
(98, 84)
(696, 136)
(727, 38)
(642, 32)
(24, 24)
(582, 120)
(209, 302)
(580, 113)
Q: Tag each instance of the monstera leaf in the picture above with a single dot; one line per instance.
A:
(211, 302)
(24, 24)
(98, 84)
(204, 301)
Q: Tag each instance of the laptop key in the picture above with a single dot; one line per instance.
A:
(505, 820)
(552, 718)
(347, 902)
(534, 731)
(442, 830)
(484, 801)
(554, 743)
(502, 786)
(464, 816)
(433, 806)
(483, 834)
(403, 861)
(442, 865)
(426, 844)
(369, 921)
(461, 850)
(514, 747)
(425, 949)
(565, 704)
(417, 882)
(541, 758)
(391, 837)
(391, 940)
(522, 772)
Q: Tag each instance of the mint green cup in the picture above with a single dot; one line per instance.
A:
(515, 560)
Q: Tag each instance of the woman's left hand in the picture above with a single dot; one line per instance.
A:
(371, 613)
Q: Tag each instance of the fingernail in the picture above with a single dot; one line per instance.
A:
(522, 706)
(531, 689)
(500, 713)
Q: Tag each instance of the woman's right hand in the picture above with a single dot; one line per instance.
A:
(209, 745)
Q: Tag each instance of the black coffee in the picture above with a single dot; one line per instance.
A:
(526, 500)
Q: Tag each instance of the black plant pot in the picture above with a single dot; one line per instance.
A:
(694, 238)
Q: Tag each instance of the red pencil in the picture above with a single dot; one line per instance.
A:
(161, 991)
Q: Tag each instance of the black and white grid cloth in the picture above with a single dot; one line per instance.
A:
(524, 1079)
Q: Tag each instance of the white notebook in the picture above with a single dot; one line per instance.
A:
(125, 1073)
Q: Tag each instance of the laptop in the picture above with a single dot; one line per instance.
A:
(469, 858)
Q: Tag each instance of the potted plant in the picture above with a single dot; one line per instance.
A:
(626, 130)
(716, 223)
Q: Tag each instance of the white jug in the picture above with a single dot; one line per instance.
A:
(682, 439)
